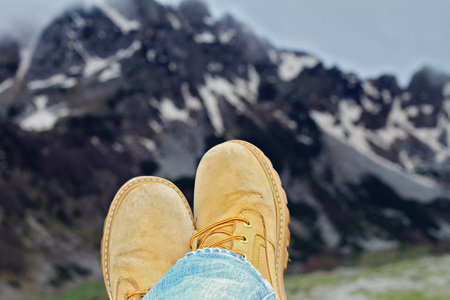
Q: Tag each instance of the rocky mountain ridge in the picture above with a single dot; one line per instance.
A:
(109, 93)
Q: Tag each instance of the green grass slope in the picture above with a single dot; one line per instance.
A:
(412, 279)
(90, 291)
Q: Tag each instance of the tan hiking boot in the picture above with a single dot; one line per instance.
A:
(239, 204)
(147, 230)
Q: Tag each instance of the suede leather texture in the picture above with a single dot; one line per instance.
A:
(236, 179)
(147, 230)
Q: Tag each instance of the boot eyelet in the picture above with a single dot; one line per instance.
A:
(249, 224)
(244, 240)
(244, 255)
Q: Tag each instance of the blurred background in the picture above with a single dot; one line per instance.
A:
(365, 37)
(350, 100)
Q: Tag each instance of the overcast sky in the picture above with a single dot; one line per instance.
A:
(367, 37)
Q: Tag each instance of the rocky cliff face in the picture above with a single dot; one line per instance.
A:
(108, 94)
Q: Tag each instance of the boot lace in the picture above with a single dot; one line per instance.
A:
(218, 227)
(140, 293)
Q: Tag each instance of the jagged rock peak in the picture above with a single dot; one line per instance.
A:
(431, 75)
(195, 11)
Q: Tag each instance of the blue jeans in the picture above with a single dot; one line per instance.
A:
(212, 273)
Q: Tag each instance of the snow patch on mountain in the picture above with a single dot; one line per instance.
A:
(288, 122)
(113, 71)
(248, 89)
(119, 20)
(235, 92)
(170, 113)
(95, 64)
(6, 85)
(427, 109)
(26, 57)
(292, 65)
(58, 80)
(192, 102)
(128, 52)
(370, 106)
(44, 118)
(208, 21)
(214, 67)
(327, 122)
(385, 137)
(148, 144)
(151, 55)
(304, 139)
(174, 21)
(412, 111)
(397, 116)
(227, 35)
(118, 147)
(408, 162)
(172, 67)
(79, 21)
(155, 126)
(349, 112)
(273, 56)
(370, 90)
(211, 103)
(205, 37)
(229, 90)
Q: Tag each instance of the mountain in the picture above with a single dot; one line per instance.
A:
(108, 93)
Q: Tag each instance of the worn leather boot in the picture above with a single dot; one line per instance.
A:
(147, 230)
(239, 205)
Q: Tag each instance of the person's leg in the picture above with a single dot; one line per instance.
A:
(239, 204)
(212, 273)
(147, 230)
